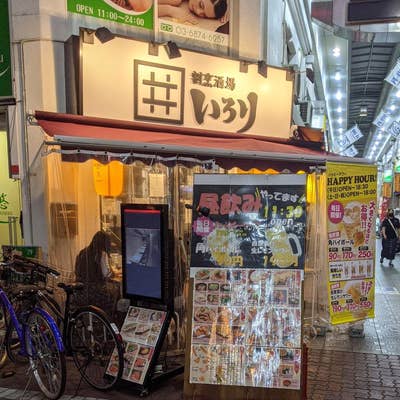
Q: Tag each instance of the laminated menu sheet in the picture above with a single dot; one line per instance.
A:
(246, 327)
(140, 331)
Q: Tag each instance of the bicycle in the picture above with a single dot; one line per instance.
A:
(40, 341)
(93, 342)
(15, 280)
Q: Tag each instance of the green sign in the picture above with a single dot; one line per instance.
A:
(388, 176)
(130, 12)
(25, 251)
(5, 54)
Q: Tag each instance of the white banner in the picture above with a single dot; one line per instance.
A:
(351, 151)
(341, 144)
(394, 129)
(381, 119)
(354, 134)
(394, 76)
(348, 138)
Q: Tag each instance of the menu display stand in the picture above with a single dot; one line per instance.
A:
(246, 287)
(144, 331)
(147, 280)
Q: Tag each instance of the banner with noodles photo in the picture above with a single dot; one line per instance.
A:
(351, 213)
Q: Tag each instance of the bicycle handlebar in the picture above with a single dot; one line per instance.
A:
(31, 263)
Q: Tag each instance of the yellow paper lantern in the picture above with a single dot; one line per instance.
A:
(109, 178)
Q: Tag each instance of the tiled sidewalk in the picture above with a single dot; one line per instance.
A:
(339, 367)
(332, 375)
(338, 375)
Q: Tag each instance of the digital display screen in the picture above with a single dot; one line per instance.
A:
(142, 252)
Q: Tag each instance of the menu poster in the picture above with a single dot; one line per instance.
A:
(255, 221)
(351, 212)
(246, 327)
(247, 257)
(140, 333)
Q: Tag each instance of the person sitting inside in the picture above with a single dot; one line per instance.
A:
(93, 270)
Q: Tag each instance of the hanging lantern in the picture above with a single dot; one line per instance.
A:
(108, 179)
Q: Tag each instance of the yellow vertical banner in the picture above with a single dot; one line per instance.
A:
(397, 183)
(387, 190)
(351, 213)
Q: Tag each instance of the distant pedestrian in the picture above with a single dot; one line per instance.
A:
(390, 234)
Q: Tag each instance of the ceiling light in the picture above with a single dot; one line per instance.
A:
(153, 49)
(339, 95)
(380, 136)
(398, 94)
(337, 76)
(363, 111)
(392, 107)
(340, 120)
(172, 50)
(340, 130)
(262, 68)
(104, 34)
(336, 52)
(339, 110)
(243, 66)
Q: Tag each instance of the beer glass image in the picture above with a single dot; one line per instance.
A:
(285, 248)
(222, 243)
(352, 223)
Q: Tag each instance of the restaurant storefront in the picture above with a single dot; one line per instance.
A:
(144, 138)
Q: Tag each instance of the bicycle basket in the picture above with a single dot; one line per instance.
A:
(17, 274)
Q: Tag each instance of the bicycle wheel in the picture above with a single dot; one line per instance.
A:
(46, 360)
(12, 343)
(3, 335)
(96, 349)
(13, 346)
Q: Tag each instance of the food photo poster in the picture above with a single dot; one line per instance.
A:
(247, 263)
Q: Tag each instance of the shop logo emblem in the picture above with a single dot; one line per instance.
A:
(158, 92)
(3, 201)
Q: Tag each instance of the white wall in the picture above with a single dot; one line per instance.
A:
(38, 55)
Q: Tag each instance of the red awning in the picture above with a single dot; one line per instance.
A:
(81, 132)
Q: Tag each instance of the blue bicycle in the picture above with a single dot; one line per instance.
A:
(39, 339)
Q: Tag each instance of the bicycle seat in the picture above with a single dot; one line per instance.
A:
(72, 287)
